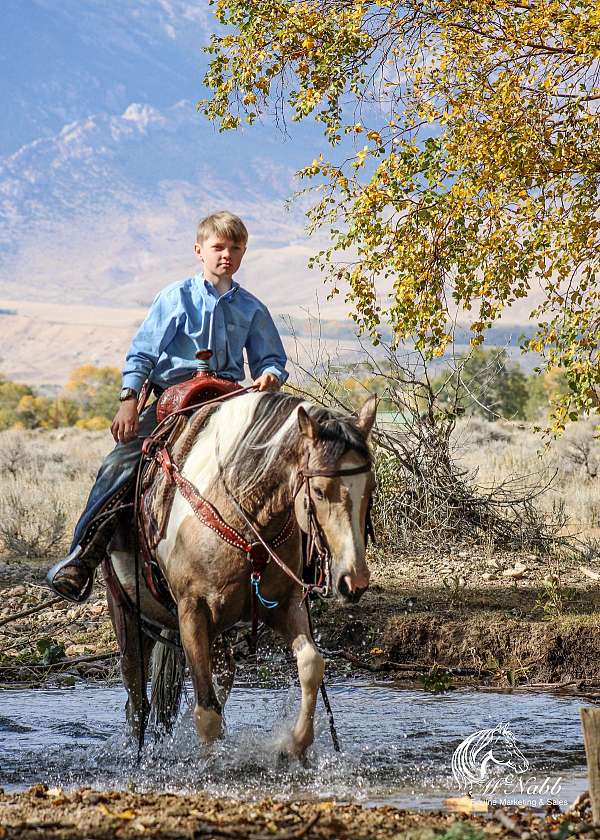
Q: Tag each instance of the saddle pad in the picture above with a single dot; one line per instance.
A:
(157, 498)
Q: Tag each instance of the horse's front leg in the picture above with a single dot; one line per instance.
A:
(293, 625)
(223, 662)
(194, 627)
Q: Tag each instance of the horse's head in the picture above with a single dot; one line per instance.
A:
(335, 482)
(504, 749)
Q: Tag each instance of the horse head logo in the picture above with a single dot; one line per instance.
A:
(484, 753)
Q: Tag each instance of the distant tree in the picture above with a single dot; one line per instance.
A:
(94, 424)
(486, 383)
(545, 388)
(39, 412)
(11, 393)
(95, 390)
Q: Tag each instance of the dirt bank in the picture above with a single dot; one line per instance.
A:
(501, 620)
(42, 813)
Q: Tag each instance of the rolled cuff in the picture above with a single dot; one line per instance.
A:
(280, 373)
(134, 380)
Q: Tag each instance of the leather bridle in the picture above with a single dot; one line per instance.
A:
(317, 549)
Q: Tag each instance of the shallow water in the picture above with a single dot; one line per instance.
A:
(397, 744)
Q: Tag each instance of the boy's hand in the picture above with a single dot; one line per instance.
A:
(267, 382)
(125, 425)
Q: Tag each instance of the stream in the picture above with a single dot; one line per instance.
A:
(396, 745)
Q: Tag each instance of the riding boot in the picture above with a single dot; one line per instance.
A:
(73, 577)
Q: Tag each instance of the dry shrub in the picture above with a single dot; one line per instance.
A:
(45, 477)
(32, 521)
(580, 449)
(427, 498)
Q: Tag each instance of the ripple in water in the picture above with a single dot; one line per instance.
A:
(397, 744)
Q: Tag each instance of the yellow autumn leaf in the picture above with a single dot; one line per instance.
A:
(128, 814)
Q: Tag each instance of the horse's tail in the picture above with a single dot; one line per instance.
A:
(168, 673)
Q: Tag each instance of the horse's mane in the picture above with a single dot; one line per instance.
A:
(272, 438)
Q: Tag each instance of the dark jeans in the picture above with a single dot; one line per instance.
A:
(118, 468)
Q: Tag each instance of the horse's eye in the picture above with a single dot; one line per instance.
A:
(318, 493)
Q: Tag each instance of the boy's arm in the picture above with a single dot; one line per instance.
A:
(153, 335)
(265, 349)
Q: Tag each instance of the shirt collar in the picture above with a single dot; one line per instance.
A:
(199, 278)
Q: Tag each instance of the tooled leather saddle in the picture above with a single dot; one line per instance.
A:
(203, 386)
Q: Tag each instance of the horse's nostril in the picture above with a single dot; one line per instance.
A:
(346, 590)
(343, 587)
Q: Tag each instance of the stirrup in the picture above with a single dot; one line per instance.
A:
(83, 594)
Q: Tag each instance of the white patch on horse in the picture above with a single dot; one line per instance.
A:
(220, 434)
(179, 510)
(356, 487)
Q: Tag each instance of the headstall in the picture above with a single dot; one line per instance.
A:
(317, 548)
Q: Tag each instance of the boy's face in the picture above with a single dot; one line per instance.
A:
(220, 256)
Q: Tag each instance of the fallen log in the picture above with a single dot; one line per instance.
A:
(31, 611)
(414, 667)
(61, 664)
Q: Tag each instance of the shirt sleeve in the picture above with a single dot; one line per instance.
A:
(155, 332)
(264, 347)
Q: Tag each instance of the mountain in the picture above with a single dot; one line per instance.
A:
(105, 169)
(105, 211)
(61, 61)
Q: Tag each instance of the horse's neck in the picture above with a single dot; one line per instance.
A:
(270, 502)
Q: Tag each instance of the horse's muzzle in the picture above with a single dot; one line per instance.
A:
(348, 593)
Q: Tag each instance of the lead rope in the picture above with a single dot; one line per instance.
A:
(138, 614)
(307, 590)
(326, 703)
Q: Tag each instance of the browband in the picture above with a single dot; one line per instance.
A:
(335, 473)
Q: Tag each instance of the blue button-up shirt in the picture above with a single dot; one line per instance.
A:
(190, 316)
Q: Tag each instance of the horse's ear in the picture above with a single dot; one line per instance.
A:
(366, 416)
(308, 426)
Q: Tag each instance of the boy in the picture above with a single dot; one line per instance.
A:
(208, 310)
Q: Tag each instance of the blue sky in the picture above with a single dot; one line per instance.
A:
(105, 164)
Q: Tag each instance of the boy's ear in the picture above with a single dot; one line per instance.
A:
(197, 249)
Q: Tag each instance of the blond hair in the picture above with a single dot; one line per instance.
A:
(224, 224)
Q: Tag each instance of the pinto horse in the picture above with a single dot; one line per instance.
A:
(266, 462)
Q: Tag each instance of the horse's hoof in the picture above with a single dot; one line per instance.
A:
(289, 752)
(283, 760)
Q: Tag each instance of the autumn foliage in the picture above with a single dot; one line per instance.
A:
(89, 400)
(464, 165)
